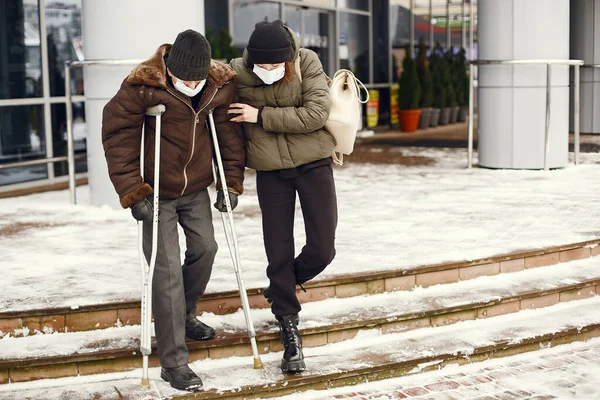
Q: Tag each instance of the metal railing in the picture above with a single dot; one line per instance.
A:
(575, 63)
(70, 148)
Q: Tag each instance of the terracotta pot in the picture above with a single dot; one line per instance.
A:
(445, 116)
(454, 114)
(463, 114)
(409, 120)
(425, 117)
(434, 118)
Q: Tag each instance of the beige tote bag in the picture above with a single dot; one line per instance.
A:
(344, 116)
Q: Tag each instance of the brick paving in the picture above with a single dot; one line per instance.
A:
(565, 372)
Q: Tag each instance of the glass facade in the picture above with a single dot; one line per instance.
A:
(20, 54)
(35, 41)
(36, 38)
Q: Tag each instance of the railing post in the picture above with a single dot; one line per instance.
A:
(576, 114)
(70, 150)
(470, 150)
(547, 138)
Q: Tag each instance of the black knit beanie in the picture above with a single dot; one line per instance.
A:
(189, 58)
(270, 43)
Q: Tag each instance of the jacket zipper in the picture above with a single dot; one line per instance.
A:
(196, 121)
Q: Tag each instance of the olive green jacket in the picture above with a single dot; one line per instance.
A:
(293, 114)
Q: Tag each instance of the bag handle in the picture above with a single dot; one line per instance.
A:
(356, 83)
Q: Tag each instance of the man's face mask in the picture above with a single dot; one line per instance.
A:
(179, 85)
(269, 77)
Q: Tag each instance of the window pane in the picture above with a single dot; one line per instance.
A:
(22, 138)
(381, 38)
(63, 25)
(355, 4)
(246, 14)
(292, 18)
(59, 136)
(354, 44)
(20, 57)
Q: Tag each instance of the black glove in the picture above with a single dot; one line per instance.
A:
(143, 210)
(220, 203)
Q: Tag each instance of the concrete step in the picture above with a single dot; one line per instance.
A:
(322, 322)
(92, 317)
(368, 357)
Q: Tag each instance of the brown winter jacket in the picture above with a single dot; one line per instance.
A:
(186, 146)
(293, 113)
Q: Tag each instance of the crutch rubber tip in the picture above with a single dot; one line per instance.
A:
(146, 383)
(258, 364)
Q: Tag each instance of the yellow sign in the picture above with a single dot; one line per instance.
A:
(373, 108)
(394, 109)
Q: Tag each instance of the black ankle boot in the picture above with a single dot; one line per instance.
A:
(182, 378)
(195, 329)
(293, 359)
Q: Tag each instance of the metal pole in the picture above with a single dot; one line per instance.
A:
(448, 39)
(471, 89)
(547, 138)
(576, 115)
(471, 28)
(431, 43)
(70, 151)
(463, 41)
(470, 150)
(412, 28)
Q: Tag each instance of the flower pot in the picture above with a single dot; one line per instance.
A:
(454, 114)
(409, 120)
(463, 114)
(425, 117)
(434, 117)
(445, 116)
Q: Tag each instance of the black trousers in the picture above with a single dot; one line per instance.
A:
(277, 198)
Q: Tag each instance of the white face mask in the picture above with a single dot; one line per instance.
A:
(179, 85)
(268, 77)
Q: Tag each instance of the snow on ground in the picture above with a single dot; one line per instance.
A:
(564, 372)
(368, 348)
(324, 313)
(391, 216)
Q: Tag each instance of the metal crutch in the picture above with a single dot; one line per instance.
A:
(232, 243)
(148, 269)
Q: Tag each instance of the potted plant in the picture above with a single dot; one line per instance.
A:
(426, 86)
(462, 97)
(409, 94)
(221, 45)
(450, 82)
(439, 90)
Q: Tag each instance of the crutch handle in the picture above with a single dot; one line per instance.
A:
(156, 110)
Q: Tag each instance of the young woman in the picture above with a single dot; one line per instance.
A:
(284, 103)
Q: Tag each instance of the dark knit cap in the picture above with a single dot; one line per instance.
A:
(189, 58)
(270, 43)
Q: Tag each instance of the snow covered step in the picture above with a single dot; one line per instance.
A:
(90, 317)
(326, 321)
(367, 357)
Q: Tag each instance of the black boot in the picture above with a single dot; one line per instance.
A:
(182, 378)
(293, 359)
(194, 329)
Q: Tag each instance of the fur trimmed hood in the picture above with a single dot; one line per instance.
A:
(153, 71)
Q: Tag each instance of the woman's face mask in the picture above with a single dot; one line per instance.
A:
(188, 91)
(269, 77)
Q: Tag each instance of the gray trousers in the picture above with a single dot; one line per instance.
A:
(176, 288)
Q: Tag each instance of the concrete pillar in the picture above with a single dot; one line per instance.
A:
(512, 98)
(116, 29)
(585, 18)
